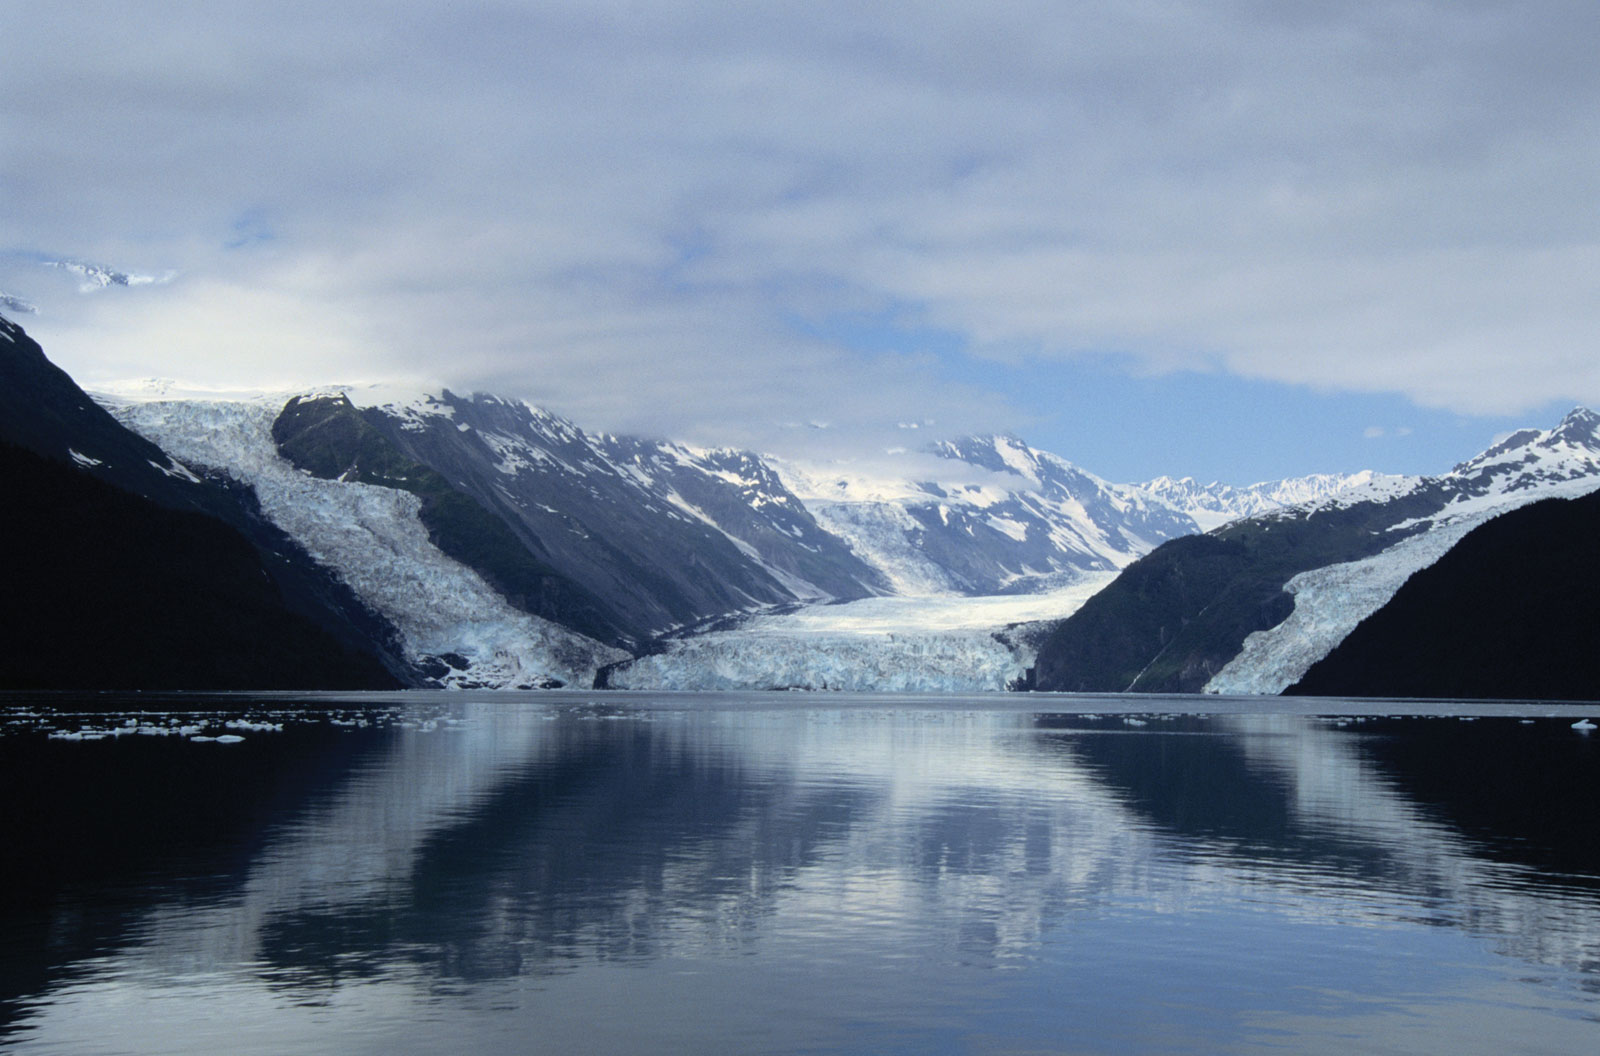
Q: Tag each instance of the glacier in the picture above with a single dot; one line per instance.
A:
(929, 644)
(448, 617)
(1330, 602)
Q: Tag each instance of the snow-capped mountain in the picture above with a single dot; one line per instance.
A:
(662, 534)
(986, 542)
(1250, 607)
(1213, 505)
(989, 515)
(99, 276)
(1530, 460)
(480, 541)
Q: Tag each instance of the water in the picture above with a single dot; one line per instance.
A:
(604, 873)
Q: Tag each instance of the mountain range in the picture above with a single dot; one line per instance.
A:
(1250, 606)
(474, 541)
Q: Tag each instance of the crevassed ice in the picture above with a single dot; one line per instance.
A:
(886, 644)
(922, 663)
(1329, 602)
(372, 536)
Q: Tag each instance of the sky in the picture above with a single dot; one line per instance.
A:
(1230, 239)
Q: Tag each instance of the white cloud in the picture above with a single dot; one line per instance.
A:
(621, 209)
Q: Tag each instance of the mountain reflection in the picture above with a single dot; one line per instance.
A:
(515, 841)
(1286, 801)
(606, 843)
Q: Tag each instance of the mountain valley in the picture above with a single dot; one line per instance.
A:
(479, 542)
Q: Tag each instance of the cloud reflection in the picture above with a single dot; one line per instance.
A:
(525, 842)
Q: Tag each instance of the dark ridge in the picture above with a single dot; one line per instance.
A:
(1175, 617)
(1511, 611)
(43, 410)
(108, 590)
(617, 535)
(330, 438)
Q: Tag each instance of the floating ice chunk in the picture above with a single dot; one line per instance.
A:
(1584, 726)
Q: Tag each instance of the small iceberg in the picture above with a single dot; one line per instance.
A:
(1584, 726)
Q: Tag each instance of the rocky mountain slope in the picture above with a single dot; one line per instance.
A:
(662, 534)
(1249, 607)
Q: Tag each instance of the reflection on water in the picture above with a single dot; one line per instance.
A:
(528, 874)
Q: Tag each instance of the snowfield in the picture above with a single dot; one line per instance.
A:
(372, 537)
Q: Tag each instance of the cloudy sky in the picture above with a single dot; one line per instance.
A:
(1236, 239)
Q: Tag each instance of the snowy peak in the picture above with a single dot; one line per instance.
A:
(1517, 440)
(1001, 453)
(1581, 427)
(99, 276)
(1533, 459)
(1003, 517)
(1215, 504)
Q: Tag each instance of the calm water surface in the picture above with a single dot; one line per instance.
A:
(597, 873)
